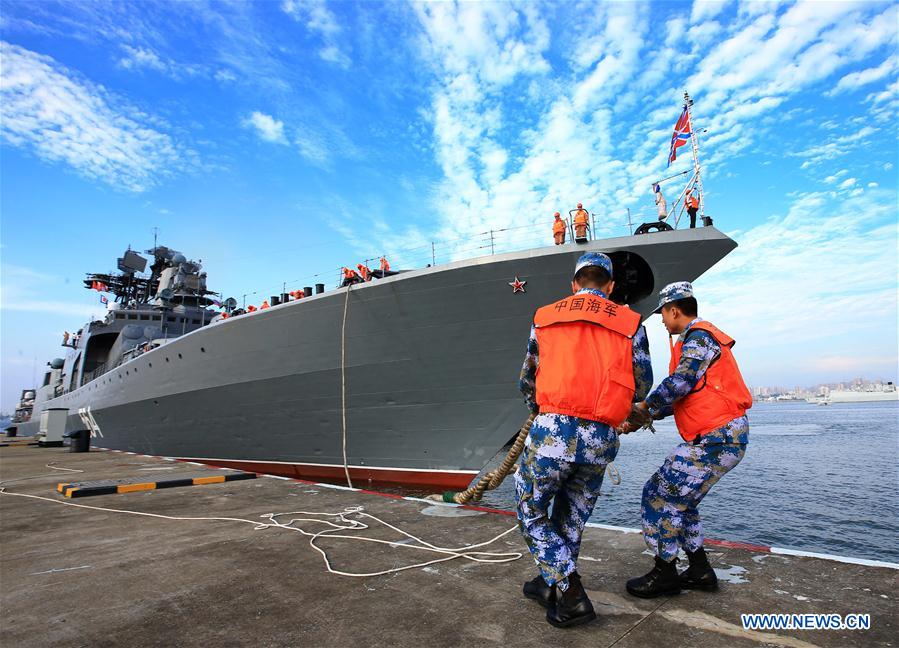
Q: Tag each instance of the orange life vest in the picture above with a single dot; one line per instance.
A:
(251, 309)
(558, 226)
(364, 271)
(692, 202)
(586, 358)
(580, 217)
(349, 273)
(264, 304)
(719, 397)
(385, 266)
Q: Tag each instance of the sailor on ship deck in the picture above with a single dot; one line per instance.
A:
(559, 228)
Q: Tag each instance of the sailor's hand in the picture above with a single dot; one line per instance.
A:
(627, 427)
(640, 413)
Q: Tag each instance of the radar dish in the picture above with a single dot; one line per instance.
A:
(179, 258)
(132, 262)
(230, 304)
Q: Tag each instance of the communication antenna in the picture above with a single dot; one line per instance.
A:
(155, 234)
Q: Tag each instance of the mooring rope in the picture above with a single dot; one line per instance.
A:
(495, 477)
(346, 305)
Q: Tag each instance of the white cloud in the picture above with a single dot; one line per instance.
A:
(811, 275)
(831, 179)
(266, 127)
(139, 57)
(60, 118)
(855, 80)
(316, 16)
(848, 182)
(706, 9)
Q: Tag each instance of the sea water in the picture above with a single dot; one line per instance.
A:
(820, 479)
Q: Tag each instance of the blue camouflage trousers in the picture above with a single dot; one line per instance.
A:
(563, 465)
(672, 495)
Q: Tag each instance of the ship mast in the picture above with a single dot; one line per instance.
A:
(688, 104)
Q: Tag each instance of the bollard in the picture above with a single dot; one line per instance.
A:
(79, 440)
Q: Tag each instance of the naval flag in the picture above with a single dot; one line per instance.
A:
(682, 131)
(104, 299)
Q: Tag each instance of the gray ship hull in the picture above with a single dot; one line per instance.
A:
(431, 367)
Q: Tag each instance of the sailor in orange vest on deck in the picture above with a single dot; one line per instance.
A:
(264, 304)
(587, 362)
(385, 266)
(559, 228)
(709, 400)
(581, 223)
(349, 277)
(364, 271)
(691, 202)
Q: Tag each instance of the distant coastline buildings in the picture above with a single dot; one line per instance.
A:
(858, 390)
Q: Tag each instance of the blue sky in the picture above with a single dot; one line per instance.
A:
(279, 140)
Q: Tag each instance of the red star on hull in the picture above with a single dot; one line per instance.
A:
(517, 285)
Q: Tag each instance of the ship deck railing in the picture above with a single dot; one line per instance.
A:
(488, 242)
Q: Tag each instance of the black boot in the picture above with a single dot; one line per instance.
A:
(572, 607)
(699, 575)
(662, 579)
(539, 591)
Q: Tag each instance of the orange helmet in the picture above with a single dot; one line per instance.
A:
(557, 214)
(579, 205)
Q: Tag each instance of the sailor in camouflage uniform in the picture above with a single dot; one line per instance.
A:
(575, 346)
(708, 399)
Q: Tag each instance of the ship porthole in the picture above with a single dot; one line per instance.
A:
(166, 359)
(179, 356)
(202, 349)
(149, 364)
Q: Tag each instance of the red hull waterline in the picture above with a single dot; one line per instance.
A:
(454, 480)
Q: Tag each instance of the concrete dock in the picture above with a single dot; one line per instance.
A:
(72, 576)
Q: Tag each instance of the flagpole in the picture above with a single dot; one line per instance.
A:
(688, 103)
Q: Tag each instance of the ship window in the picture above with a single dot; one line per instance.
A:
(156, 318)
(170, 319)
(145, 317)
(196, 321)
(132, 316)
(120, 316)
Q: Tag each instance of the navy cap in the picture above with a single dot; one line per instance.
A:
(594, 259)
(673, 292)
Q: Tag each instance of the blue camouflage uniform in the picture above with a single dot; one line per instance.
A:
(672, 495)
(563, 464)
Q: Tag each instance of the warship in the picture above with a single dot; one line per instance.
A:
(410, 378)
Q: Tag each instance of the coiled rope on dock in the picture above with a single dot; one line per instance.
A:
(341, 522)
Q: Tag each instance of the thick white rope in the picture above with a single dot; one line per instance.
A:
(346, 305)
(343, 523)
